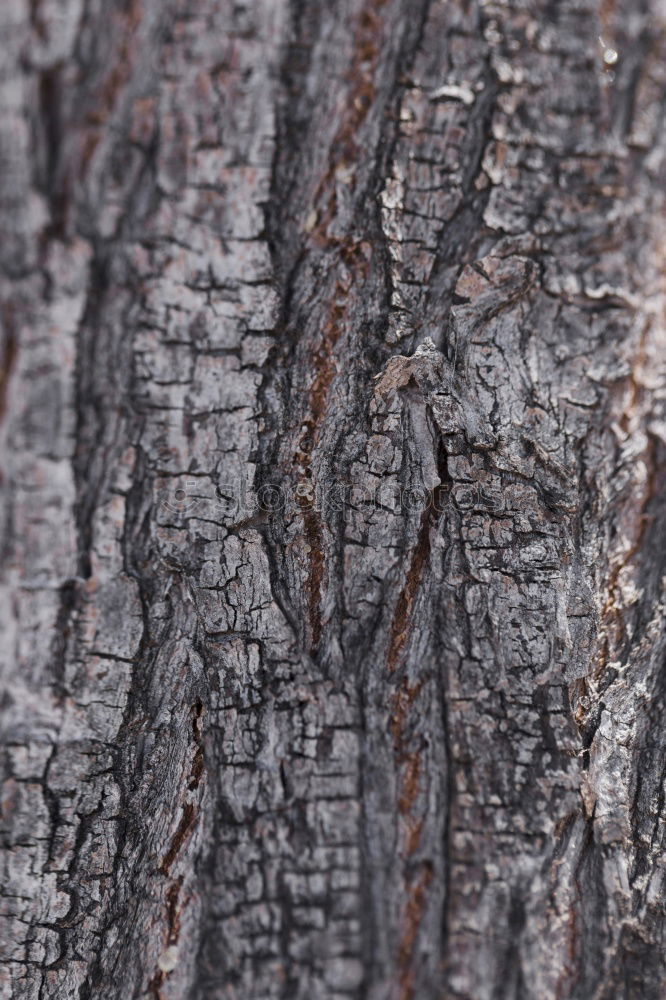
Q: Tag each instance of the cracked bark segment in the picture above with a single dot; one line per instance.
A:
(400, 737)
(434, 193)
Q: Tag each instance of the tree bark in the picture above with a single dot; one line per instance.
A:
(334, 455)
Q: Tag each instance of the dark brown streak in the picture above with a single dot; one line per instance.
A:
(351, 254)
(8, 363)
(409, 759)
(180, 836)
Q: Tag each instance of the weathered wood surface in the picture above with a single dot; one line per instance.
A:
(396, 746)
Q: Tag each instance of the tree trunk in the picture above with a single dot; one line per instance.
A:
(334, 455)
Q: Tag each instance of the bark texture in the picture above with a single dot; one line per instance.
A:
(401, 264)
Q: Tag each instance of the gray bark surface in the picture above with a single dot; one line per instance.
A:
(401, 263)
